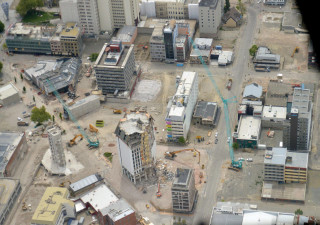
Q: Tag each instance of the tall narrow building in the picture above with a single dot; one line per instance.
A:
(57, 151)
(210, 14)
(89, 17)
(136, 145)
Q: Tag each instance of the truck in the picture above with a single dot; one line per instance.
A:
(229, 84)
(22, 123)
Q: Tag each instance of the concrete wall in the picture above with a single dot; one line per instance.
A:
(89, 106)
(105, 12)
(69, 11)
(125, 156)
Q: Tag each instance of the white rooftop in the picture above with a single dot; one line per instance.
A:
(41, 67)
(259, 218)
(249, 127)
(129, 124)
(274, 112)
(7, 91)
(100, 197)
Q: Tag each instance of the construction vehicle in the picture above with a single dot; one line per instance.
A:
(171, 155)
(72, 142)
(62, 184)
(91, 144)
(296, 50)
(229, 84)
(117, 111)
(234, 164)
(24, 206)
(158, 192)
(93, 129)
(22, 123)
(145, 221)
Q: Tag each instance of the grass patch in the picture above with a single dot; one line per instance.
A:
(38, 17)
(108, 155)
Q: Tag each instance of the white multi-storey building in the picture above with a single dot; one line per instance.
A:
(89, 16)
(180, 107)
(210, 14)
(69, 11)
(136, 145)
(125, 12)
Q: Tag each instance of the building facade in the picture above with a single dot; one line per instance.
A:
(210, 14)
(202, 48)
(170, 32)
(274, 2)
(157, 46)
(70, 40)
(69, 11)
(248, 132)
(136, 145)
(183, 191)
(180, 107)
(89, 17)
(115, 68)
(9, 94)
(56, 147)
(125, 12)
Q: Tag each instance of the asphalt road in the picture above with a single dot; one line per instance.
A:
(219, 152)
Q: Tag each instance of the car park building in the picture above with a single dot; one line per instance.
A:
(248, 132)
(13, 148)
(115, 68)
(180, 108)
(10, 191)
(136, 145)
(9, 94)
(183, 191)
(54, 207)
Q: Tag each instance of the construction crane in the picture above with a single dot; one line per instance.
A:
(171, 155)
(72, 142)
(93, 129)
(91, 144)
(296, 50)
(234, 164)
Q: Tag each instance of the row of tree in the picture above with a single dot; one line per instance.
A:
(25, 6)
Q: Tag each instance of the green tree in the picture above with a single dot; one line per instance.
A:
(60, 115)
(298, 212)
(241, 7)
(227, 6)
(21, 76)
(25, 6)
(53, 118)
(253, 50)
(1, 66)
(184, 222)
(4, 46)
(181, 140)
(39, 115)
(235, 145)
(93, 57)
(1, 27)
(24, 89)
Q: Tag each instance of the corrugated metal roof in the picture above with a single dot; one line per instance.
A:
(85, 182)
(253, 89)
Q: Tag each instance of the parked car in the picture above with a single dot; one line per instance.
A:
(216, 141)
(228, 139)
(249, 160)
(216, 135)
(39, 93)
(241, 159)
(19, 119)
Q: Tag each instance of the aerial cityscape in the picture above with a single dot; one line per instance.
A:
(158, 112)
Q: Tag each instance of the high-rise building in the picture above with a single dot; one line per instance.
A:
(170, 32)
(210, 14)
(180, 107)
(183, 191)
(115, 67)
(69, 11)
(125, 12)
(136, 145)
(57, 151)
(89, 16)
(297, 136)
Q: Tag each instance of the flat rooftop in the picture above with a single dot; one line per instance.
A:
(271, 142)
(276, 156)
(293, 19)
(284, 192)
(117, 210)
(70, 30)
(126, 32)
(205, 110)
(8, 145)
(249, 127)
(49, 207)
(182, 177)
(279, 156)
(21, 30)
(99, 198)
(274, 112)
(42, 67)
(120, 58)
(299, 159)
(7, 188)
(8, 90)
(301, 100)
(277, 93)
(134, 122)
(203, 42)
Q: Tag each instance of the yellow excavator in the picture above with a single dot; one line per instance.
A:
(171, 155)
(72, 142)
(62, 184)
(93, 129)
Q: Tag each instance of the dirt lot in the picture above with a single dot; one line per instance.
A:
(140, 53)
(283, 43)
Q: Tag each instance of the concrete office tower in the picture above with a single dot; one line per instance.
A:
(297, 136)
(170, 32)
(69, 11)
(105, 15)
(125, 12)
(136, 145)
(183, 191)
(89, 17)
(57, 151)
(210, 14)
(115, 67)
(180, 107)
